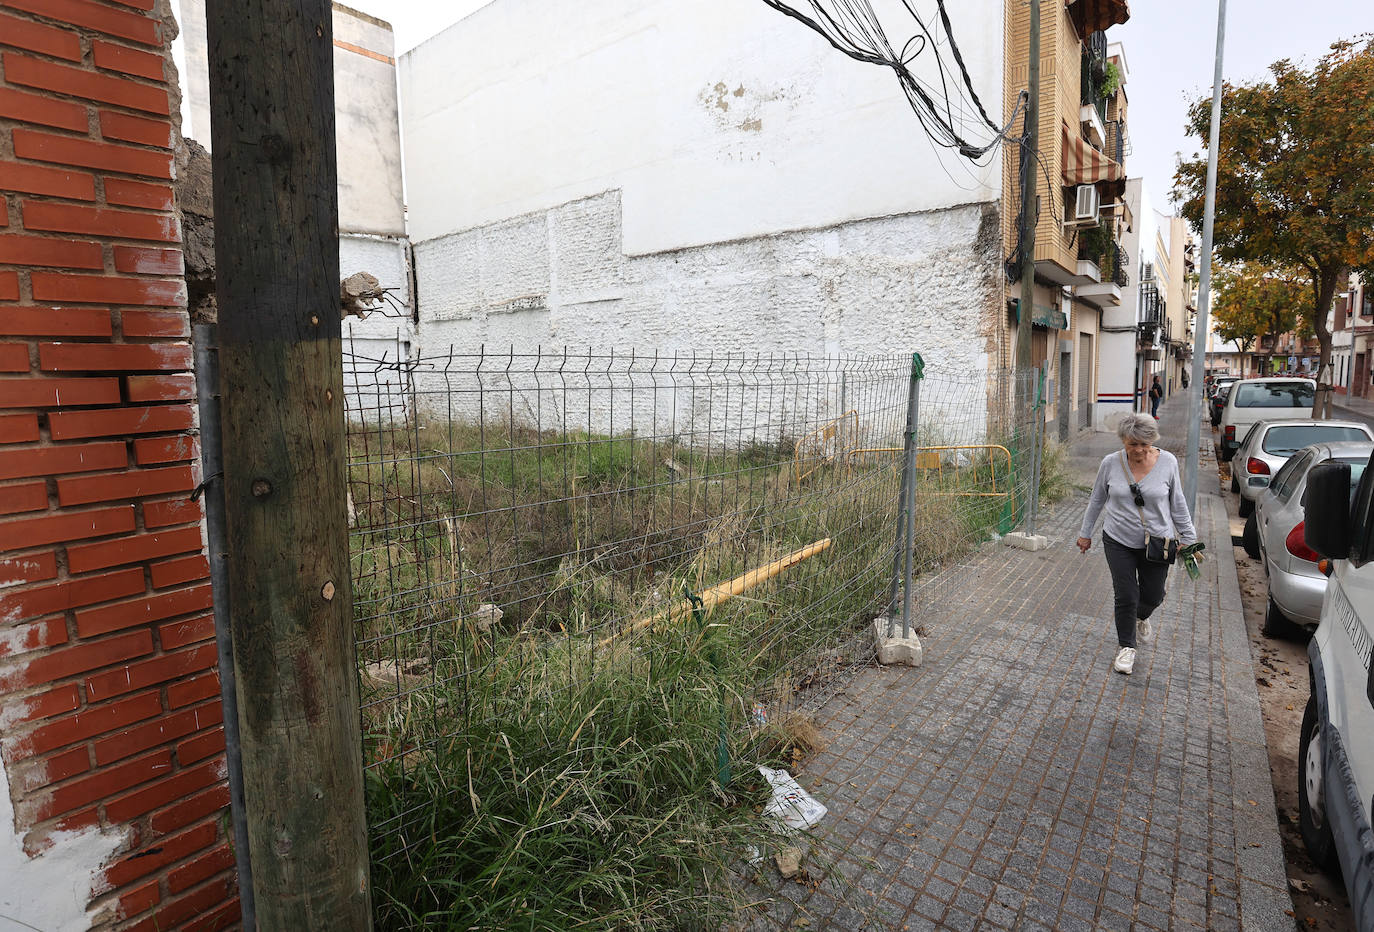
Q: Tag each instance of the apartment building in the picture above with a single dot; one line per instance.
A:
(1080, 267)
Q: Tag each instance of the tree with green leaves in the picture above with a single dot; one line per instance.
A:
(1295, 178)
(1252, 302)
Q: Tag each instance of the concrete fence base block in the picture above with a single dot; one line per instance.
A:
(895, 649)
(1024, 541)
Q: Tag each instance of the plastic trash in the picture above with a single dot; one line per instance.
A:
(1192, 556)
(791, 806)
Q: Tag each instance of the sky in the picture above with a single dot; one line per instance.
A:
(1169, 45)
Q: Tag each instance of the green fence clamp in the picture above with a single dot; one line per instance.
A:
(918, 366)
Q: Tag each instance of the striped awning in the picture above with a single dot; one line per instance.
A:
(1096, 15)
(1084, 164)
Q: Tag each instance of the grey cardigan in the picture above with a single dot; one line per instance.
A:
(1166, 512)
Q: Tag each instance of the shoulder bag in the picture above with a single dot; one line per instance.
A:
(1157, 549)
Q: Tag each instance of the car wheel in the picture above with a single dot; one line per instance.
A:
(1316, 829)
(1247, 507)
(1249, 538)
(1276, 623)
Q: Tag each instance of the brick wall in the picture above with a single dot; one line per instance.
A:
(109, 699)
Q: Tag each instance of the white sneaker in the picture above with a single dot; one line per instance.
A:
(1125, 660)
(1143, 629)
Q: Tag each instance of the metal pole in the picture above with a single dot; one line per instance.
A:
(1037, 445)
(904, 496)
(1201, 325)
(212, 468)
(1025, 307)
(917, 370)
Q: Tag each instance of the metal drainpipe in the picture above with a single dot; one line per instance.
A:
(212, 465)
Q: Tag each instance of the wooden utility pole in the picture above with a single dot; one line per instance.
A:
(1026, 305)
(290, 601)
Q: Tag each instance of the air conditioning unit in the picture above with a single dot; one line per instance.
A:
(1147, 272)
(1087, 205)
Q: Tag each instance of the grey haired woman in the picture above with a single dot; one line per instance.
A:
(1140, 490)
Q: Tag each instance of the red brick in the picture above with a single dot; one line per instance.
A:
(34, 567)
(93, 621)
(201, 746)
(139, 900)
(128, 193)
(71, 593)
(181, 570)
(141, 130)
(147, 260)
(18, 428)
(165, 792)
(87, 85)
(22, 533)
(196, 807)
(55, 321)
(45, 111)
(171, 511)
(136, 4)
(92, 721)
(103, 783)
(59, 767)
(168, 667)
(21, 639)
(118, 357)
(162, 730)
(176, 387)
(48, 393)
(97, 289)
(180, 633)
(96, 16)
(44, 705)
(54, 461)
(141, 864)
(22, 497)
(77, 658)
(50, 251)
(9, 284)
(46, 40)
(194, 904)
(14, 357)
(186, 691)
(222, 918)
(154, 323)
(85, 153)
(202, 868)
(177, 449)
(129, 61)
(77, 425)
(132, 484)
(82, 558)
(96, 221)
(40, 179)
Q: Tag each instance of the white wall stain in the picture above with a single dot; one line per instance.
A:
(50, 890)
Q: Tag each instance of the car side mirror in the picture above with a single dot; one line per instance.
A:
(1326, 510)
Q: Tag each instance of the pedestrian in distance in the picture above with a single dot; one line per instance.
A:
(1156, 394)
(1185, 380)
(1141, 493)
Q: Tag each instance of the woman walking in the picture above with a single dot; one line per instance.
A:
(1141, 492)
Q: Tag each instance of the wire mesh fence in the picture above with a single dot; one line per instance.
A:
(531, 532)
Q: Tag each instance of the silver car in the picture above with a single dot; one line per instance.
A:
(1269, 444)
(1274, 535)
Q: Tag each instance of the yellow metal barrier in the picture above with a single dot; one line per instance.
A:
(966, 480)
(824, 444)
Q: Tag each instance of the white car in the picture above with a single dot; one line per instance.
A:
(1296, 583)
(1251, 400)
(1269, 444)
(1336, 751)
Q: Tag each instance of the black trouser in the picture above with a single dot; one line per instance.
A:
(1137, 584)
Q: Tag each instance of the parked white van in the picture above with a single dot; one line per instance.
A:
(1336, 754)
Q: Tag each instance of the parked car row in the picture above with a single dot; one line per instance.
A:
(1306, 490)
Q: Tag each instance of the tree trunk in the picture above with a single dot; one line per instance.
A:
(1325, 288)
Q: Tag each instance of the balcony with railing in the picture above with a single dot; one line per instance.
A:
(1094, 75)
(1099, 247)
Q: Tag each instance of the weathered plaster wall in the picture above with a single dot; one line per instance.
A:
(719, 120)
(925, 281)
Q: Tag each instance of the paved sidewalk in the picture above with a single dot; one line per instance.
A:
(1015, 782)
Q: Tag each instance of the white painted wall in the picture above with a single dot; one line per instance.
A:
(1116, 361)
(929, 282)
(719, 120)
(50, 889)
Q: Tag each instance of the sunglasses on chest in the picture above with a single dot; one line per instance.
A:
(1136, 494)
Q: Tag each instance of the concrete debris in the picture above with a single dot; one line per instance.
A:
(359, 294)
(486, 616)
(789, 861)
